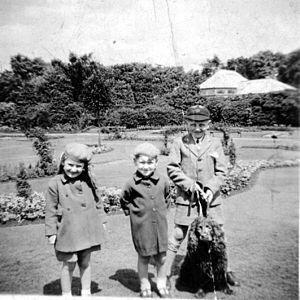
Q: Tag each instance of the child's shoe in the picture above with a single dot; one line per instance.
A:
(164, 292)
(86, 292)
(146, 293)
(67, 295)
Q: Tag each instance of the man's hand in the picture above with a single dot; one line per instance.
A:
(52, 239)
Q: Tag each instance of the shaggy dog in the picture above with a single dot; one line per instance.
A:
(204, 267)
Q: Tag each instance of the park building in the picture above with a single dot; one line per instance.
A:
(227, 83)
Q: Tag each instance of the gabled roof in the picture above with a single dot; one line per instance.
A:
(266, 85)
(223, 79)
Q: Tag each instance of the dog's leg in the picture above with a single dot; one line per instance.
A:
(200, 294)
(220, 280)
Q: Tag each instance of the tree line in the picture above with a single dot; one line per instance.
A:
(73, 95)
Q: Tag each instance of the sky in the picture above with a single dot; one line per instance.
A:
(165, 32)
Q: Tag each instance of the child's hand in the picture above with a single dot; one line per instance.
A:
(52, 239)
(106, 232)
(197, 191)
(208, 196)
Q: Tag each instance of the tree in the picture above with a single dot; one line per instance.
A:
(27, 68)
(7, 114)
(9, 83)
(211, 66)
(289, 71)
(265, 64)
(260, 65)
(96, 96)
(242, 66)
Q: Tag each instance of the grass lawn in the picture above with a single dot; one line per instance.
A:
(261, 227)
(262, 234)
(113, 168)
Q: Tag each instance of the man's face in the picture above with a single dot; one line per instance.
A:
(145, 165)
(197, 128)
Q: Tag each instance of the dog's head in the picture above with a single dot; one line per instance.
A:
(203, 229)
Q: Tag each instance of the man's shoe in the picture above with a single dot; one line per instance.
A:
(231, 279)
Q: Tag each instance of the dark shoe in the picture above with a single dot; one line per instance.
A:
(231, 279)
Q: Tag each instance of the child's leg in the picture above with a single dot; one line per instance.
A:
(143, 262)
(66, 277)
(178, 235)
(161, 276)
(85, 271)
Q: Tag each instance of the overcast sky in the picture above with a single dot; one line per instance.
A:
(166, 32)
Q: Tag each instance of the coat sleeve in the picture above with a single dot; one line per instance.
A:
(220, 169)
(51, 208)
(125, 199)
(167, 188)
(175, 171)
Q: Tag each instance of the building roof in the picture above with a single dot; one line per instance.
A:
(223, 79)
(266, 85)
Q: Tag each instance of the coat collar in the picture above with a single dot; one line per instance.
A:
(190, 143)
(64, 179)
(138, 177)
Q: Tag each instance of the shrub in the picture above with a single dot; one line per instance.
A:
(22, 185)
(229, 147)
(45, 165)
(111, 199)
(13, 207)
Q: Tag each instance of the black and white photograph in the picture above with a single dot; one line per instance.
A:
(149, 149)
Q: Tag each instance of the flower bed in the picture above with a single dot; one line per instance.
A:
(19, 209)
(239, 177)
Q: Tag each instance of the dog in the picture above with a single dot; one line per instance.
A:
(204, 268)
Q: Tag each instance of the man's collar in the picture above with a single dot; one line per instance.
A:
(200, 139)
(189, 138)
(138, 177)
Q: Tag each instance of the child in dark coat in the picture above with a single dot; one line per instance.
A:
(144, 198)
(74, 213)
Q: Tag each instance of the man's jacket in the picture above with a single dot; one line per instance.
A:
(204, 163)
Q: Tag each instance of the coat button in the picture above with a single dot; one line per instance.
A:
(83, 204)
(154, 209)
(152, 197)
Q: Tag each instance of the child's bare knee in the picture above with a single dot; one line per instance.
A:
(178, 234)
(162, 259)
(70, 266)
(176, 239)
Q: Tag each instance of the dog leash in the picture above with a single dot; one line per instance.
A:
(202, 202)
